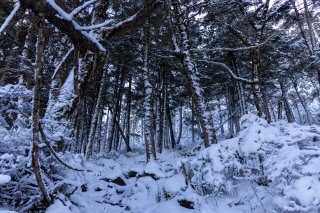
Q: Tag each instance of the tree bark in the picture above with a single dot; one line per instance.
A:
(191, 73)
(148, 102)
(36, 109)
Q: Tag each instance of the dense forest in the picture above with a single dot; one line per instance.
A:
(159, 106)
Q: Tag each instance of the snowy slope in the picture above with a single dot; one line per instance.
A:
(267, 168)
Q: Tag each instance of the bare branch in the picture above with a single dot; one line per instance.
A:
(44, 138)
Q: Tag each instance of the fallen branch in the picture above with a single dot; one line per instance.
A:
(45, 140)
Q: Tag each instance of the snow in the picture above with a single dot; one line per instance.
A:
(68, 17)
(81, 7)
(4, 179)
(153, 168)
(306, 190)
(226, 177)
(57, 207)
(60, 11)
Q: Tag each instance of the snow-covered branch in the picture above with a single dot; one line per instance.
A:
(81, 7)
(133, 20)
(233, 75)
(10, 17)
(55, 15)
(230, 49)
(58, 66)
(96, 26)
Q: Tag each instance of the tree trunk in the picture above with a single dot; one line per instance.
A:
(172, 138)
(286, 104)
(191, 73)
(180, 125)
(36, 109)
(127, 141)
(148, 103)
(220, 117)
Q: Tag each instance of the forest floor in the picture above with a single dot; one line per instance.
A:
(266, 168)
(128, 184)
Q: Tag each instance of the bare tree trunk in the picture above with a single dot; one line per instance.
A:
(298, 111)
(310, 27)
(146, 143)
(172, 138)
(161, 118)
(180, 124)
(192, 121)
(96, 112)
(36, 109)
(220, 117)
(280, 104)
(76, 71)
(295, 86)
(286, 104)
(266, 106)
(127, 141)
(152, 135)
(114, 111)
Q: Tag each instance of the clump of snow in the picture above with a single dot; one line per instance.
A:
(4, 179)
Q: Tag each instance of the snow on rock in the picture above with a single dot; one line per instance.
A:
(4, 179)
(173, 186)
(153, 169)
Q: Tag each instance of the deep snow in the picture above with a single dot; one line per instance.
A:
(266, 168)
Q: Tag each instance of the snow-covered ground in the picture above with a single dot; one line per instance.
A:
(267, 168)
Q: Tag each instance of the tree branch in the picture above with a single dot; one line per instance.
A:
(229, 70)
(65, 25)
(54, 154)
(133, 20)
(15, 14)
(231, 49)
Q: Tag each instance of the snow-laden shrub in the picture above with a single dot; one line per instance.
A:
(217, 166)
(284, 156)
(293, 167)
(22, 193)
(15, 106)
